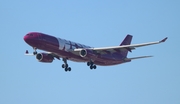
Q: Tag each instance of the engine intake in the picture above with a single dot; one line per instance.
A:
(44, 57)
(87, 53)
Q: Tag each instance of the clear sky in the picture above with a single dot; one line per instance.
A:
(97, 23)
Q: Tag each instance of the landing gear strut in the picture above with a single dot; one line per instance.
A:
(35, 52)
(91, 65)
(65, 65)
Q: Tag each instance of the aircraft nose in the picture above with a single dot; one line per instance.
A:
(25, 38)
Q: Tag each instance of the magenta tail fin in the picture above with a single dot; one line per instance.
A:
(127, 41)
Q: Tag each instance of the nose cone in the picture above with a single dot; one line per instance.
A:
(26, 38)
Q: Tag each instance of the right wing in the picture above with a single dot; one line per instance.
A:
(119, 48)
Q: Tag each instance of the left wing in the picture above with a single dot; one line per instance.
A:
(116, 48)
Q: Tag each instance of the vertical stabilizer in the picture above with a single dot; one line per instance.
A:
(126, 41)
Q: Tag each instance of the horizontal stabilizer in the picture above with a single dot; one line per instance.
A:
(29, 54)
(137, 57)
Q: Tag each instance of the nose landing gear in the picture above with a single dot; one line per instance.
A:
(35, 52)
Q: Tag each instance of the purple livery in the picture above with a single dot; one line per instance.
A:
(68, 50)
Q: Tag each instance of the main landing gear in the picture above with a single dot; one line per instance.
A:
(91, 65)
(65, 65)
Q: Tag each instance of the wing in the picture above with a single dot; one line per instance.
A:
(120, 48)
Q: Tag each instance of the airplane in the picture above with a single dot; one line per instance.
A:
(58, 48)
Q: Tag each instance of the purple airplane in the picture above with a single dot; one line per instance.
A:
(68, 50)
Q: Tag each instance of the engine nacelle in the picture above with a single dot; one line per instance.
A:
(44, 57)
(87, 53)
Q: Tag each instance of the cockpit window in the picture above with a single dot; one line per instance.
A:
(30, 34)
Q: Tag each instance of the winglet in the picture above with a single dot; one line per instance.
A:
(164, 39)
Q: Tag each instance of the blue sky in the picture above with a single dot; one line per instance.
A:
(24, 80)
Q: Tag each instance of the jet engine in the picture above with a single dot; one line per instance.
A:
(87, 53)
(44, 57)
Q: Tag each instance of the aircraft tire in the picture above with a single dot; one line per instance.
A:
(88, 63)
(69, 69)
(34, 53)
(91, 67)
(63, 65)
(94, 67)
(66, 69)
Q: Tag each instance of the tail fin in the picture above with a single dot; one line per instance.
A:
(126, 41)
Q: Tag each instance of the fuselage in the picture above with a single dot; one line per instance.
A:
(64, 49)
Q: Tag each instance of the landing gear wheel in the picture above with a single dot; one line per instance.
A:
(34, 53)
(69, 68)
(66, 69)
(88, 63)
(91, 64)
(91, 67)
(94, 66)
(65, 65)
